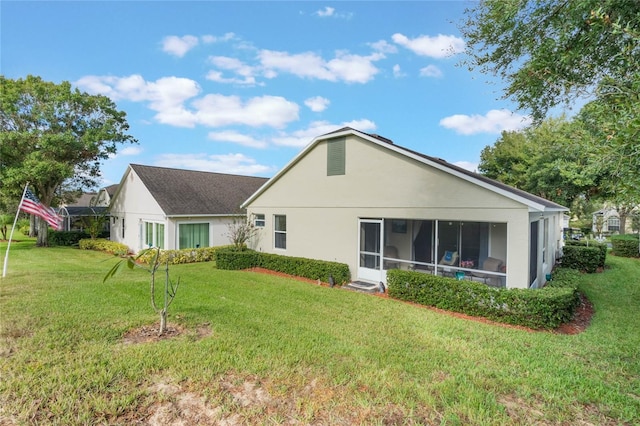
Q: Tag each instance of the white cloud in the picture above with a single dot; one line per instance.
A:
(179, 46)
(439, 46)
(130, 151)
(467, 165)
(301, 138)
(383, 46)
(220, 110)
(317, 104)
(330, 12)
(397, 71)
(327, 11)
(430, 71)
(494, 121)
(215, 39)
(344, 67)
(245, 71)
(168, 95)
(226, 163)
(238, 138)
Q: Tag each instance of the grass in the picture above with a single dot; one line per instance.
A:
(281, 350)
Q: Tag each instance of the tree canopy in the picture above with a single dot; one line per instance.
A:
(547, 160)
(562, 52)
(52, 134)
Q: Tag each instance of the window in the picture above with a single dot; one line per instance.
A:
(613, 224)
(280, 231)
(259, 221)
(154, 234)
(335, 157)
(122, 228)
(193, 235)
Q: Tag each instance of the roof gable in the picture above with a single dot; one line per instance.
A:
(187, 192)
(533, 202)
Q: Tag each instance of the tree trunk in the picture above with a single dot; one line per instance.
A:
(163, 322)
(43, 234)
(33, 223)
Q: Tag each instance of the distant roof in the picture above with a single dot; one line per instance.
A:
(532, 200)
(111, 189)
(86, 199)
(187, 192)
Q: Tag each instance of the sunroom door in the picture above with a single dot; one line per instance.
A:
(370, 263)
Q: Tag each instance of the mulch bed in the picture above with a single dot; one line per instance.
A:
(578, 324)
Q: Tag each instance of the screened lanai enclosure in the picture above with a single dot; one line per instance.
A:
(464, 250)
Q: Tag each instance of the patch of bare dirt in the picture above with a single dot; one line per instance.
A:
(149, 333)
(235, 400)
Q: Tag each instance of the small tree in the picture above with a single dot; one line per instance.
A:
(5, 221)
(170, 289)
(240, 231)
(94, 224)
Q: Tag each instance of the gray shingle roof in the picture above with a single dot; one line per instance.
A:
(187, 192)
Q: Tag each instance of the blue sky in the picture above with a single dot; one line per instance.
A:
(242, 87)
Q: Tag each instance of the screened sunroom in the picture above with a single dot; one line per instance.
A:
(464, 250)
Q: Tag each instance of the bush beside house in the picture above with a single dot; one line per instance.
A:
(625, 245)
(233, 259)
(101, 244)
(544, 308)
(584, 256)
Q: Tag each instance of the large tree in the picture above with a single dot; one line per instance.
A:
(550, 160)
(52, 134)
(555, 52)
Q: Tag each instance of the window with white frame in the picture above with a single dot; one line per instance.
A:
(153, 234)
(258, 220)
(613, 224)
(280, 231)
(193, 235)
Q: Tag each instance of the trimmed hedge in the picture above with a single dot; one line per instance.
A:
(544, 308)
(584, 256)
(101, 244)
(564, 277)
(625, 245)
(70, 238)
(234, 259)
(175, 257)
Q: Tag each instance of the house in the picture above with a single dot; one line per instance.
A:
(176, 209)
(363, 200)
(103, 198)
(606, 221)
(77, 215)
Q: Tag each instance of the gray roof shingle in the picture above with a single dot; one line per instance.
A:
(187, 192)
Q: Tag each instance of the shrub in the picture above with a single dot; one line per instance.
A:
(66, 238)
(625, 245)
(584, 258)
(234, 259)
(70, 238)
(539, 308)
(175, 257)
(102, 244)
(564, 277)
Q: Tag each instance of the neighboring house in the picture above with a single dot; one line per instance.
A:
(76, 215)
(176, 209)
(360, 199)
(609, 221)
(103, 199)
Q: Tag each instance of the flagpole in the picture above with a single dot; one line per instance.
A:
(15, 220)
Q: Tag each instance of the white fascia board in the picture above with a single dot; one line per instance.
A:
(178, 216)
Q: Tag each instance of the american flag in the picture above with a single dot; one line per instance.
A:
(31, 204)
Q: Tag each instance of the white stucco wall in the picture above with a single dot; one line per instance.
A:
(323, 211)
(135, 205)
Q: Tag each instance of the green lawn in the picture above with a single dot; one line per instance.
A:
(283, 351)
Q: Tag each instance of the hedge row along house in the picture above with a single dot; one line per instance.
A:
(358, 199)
